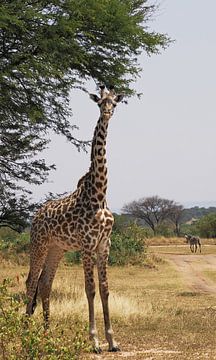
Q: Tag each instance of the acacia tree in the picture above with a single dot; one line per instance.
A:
(175, 217)
(153, 210)
(46, 49)
(15, 212)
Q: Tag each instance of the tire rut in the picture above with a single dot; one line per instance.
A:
(192, 267)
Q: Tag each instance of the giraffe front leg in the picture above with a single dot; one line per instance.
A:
(88, 265)
(102, 260)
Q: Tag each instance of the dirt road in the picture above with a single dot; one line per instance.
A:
(192, 268)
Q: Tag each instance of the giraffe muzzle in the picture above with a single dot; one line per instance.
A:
(107, 113)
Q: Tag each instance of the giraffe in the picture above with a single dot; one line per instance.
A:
(79, 221)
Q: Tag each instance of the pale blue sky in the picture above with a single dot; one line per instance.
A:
(165, 143)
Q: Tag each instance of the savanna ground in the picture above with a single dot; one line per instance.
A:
(162, 312)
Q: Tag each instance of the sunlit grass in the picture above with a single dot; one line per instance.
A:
(151, 308)
(162, 240)
(181, 249)
(211, 274)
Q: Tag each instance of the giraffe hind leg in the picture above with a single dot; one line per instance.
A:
(46, 279)
(37, 258)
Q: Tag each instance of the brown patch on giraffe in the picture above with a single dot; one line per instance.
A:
(87, 238)
(68, 216)
(99, 185)
(59, 211)
(109, 222)
(65, 228)
(93, 233)
(94, 221)
(100, 161)
(93, 190)
(100, 197)
(81, 221)
(94, 200)
(61, 219)
(86, 228)
(64, 208)
(71, 228)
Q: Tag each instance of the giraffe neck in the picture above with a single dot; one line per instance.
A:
(98, 168)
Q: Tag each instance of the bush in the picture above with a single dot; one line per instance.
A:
(22, 338)
(164, 230)
(128, 246)
(7, 234)
(16, 250)
(207, 226)
(17, 243)
(73, 257)
(190, 229)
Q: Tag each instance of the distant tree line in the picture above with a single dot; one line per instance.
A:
(196, 213)
(168, 218)
(157, 216)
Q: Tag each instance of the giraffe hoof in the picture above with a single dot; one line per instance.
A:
(97, 350)
(115, 349)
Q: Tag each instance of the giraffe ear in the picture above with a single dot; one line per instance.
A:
(94, 97)
(119, 98)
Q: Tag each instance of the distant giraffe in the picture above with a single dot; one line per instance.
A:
(80, 221)
(194, 242)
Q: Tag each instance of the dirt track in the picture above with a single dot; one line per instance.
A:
(192, 268)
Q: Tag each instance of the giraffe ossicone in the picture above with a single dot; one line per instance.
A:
(79, 221)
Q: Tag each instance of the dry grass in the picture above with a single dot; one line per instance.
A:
(154, 314)
(180, 249)
(161, 240)
(211, 274)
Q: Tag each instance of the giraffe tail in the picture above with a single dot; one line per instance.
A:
(34, 301)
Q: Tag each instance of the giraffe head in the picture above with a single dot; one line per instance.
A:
(107, 101)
